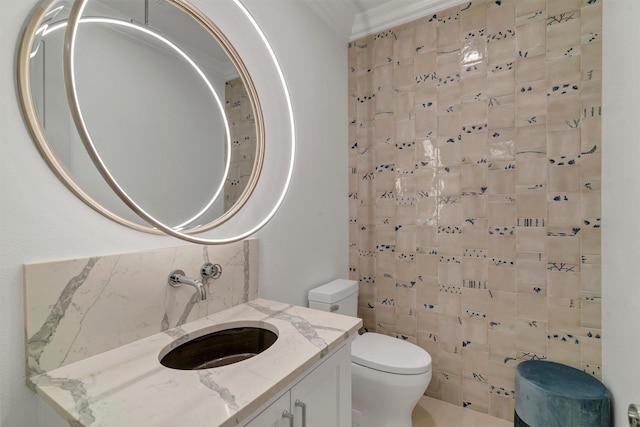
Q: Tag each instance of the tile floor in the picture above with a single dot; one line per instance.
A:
(436, 413)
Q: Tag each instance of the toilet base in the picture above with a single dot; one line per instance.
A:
(385, 400)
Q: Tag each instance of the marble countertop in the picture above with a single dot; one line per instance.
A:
(128, 386)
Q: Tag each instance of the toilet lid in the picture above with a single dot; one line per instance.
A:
(389, 354)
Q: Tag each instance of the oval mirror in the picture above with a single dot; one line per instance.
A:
(165, 100)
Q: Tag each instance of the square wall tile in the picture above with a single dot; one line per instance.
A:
(475, 190)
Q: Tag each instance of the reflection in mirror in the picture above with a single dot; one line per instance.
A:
(243, 141)
(167, 110)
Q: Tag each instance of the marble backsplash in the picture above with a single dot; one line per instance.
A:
(78, 308)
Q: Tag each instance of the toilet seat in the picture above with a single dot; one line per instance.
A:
(388, 354)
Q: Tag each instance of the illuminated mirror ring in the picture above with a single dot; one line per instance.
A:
(69, 50)
(57, 149)
(198, 71)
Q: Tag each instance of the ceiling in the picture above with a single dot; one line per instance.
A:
(357, 18)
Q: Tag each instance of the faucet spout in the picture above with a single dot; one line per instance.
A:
(178, 278)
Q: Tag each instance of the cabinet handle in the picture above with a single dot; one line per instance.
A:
(302, 405)
(288, 415)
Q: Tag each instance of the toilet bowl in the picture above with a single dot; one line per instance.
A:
(388, 375)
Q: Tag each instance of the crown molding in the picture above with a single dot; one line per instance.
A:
(337, 14)
(396, 12)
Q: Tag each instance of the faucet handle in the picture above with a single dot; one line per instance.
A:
(174, 278)
(210, 270)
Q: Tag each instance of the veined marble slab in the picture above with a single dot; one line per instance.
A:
(128, 386)
(79, 308)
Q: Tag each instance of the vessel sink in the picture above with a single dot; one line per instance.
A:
(219, 348)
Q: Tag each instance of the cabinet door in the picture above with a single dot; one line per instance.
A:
(324, 396)
(273, 415)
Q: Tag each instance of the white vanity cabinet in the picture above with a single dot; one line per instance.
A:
(321, 398)
(275, 414)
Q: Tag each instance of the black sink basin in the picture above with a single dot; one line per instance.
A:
(219, 348)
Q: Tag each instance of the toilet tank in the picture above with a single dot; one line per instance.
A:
(339, 296)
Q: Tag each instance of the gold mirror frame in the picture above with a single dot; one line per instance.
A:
(38, 135)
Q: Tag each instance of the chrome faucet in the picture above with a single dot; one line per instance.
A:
(178, 278)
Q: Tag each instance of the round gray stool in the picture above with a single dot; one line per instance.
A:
(550, 394)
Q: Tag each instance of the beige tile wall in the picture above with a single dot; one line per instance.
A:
(475, 150)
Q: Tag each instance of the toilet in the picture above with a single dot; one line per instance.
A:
(388, 375)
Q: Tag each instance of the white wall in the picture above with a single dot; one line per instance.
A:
(312, 227)
(621, 204)
(305, 244)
